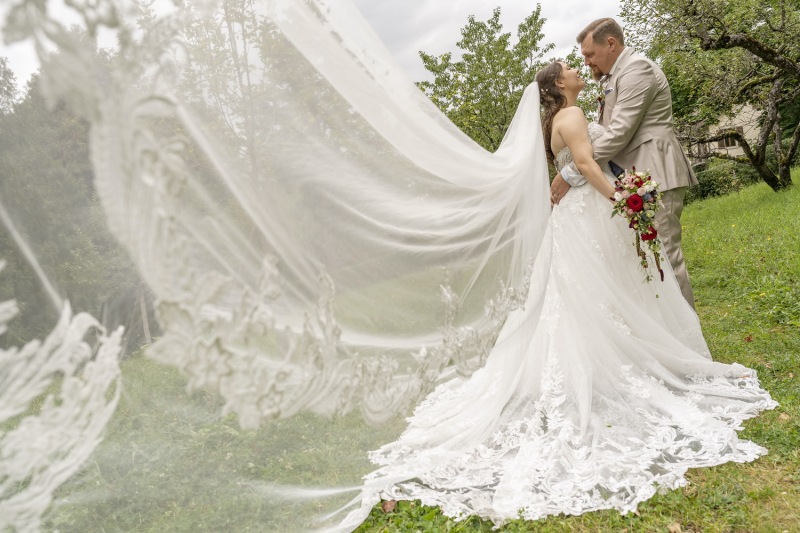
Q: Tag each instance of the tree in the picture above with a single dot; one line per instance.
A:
(46, 183)
(480, 92)
(8, 87)
(721, 55)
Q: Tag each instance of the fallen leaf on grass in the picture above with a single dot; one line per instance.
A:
(388, 506)
(783, 417)
(675, 528)
(749, 338)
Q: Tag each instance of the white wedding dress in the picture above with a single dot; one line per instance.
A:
(598, 393)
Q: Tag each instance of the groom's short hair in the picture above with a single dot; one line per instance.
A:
(602, 29)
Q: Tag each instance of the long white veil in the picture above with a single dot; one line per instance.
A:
(315, 236)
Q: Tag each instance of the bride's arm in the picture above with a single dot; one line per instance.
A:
(571, 126)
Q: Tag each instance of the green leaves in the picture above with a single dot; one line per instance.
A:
(480, 91)
(8, 87)
(47, 186)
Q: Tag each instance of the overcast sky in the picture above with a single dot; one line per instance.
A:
(408, 26)
(433, 26)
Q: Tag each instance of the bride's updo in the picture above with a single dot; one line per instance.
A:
(552, 99)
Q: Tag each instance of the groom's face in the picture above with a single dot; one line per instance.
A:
(597, 56)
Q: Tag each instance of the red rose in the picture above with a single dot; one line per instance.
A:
(650, 235)
(635, 202)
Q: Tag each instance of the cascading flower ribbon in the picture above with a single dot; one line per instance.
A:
(637, 198)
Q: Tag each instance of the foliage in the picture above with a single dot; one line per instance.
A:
(480, 91)
(47, 185)
(721, 55)
(722, 176)
(719, 176)
(8, 87)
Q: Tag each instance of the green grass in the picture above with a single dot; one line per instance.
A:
(170, 462)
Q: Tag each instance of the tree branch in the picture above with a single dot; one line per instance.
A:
(754, 82)
(746, 42)
(723, 134)
(731, 133)
(790, 97)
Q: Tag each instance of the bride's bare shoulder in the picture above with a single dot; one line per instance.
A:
(571, 113)
(568, 123)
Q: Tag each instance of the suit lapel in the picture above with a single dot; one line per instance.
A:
(612, 88)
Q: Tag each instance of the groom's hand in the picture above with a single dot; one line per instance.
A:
(558, 189)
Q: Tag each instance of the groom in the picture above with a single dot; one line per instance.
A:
(636, 110)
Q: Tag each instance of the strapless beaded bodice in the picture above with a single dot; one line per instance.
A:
(564, 156)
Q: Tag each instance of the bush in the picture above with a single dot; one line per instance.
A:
(718, 177)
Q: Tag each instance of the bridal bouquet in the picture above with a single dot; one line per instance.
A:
(637, 198)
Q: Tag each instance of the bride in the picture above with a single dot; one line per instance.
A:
(599, 392)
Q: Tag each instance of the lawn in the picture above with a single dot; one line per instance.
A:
(170, 462)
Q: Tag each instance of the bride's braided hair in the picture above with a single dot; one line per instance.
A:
(552, 100)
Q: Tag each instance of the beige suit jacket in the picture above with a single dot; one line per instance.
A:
(638, 119)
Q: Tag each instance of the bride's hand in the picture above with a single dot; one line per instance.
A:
(558, 189)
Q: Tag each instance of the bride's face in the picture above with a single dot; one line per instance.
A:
(570, 80)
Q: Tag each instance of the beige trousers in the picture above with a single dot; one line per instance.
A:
(669, 229)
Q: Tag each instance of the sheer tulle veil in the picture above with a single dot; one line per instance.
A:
(321, 244)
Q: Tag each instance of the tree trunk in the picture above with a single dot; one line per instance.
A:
(769, 177)
(145, 323)
(757, 159)
(784, 167)
(784, 178)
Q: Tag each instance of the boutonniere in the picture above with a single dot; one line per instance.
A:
(602, 98)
